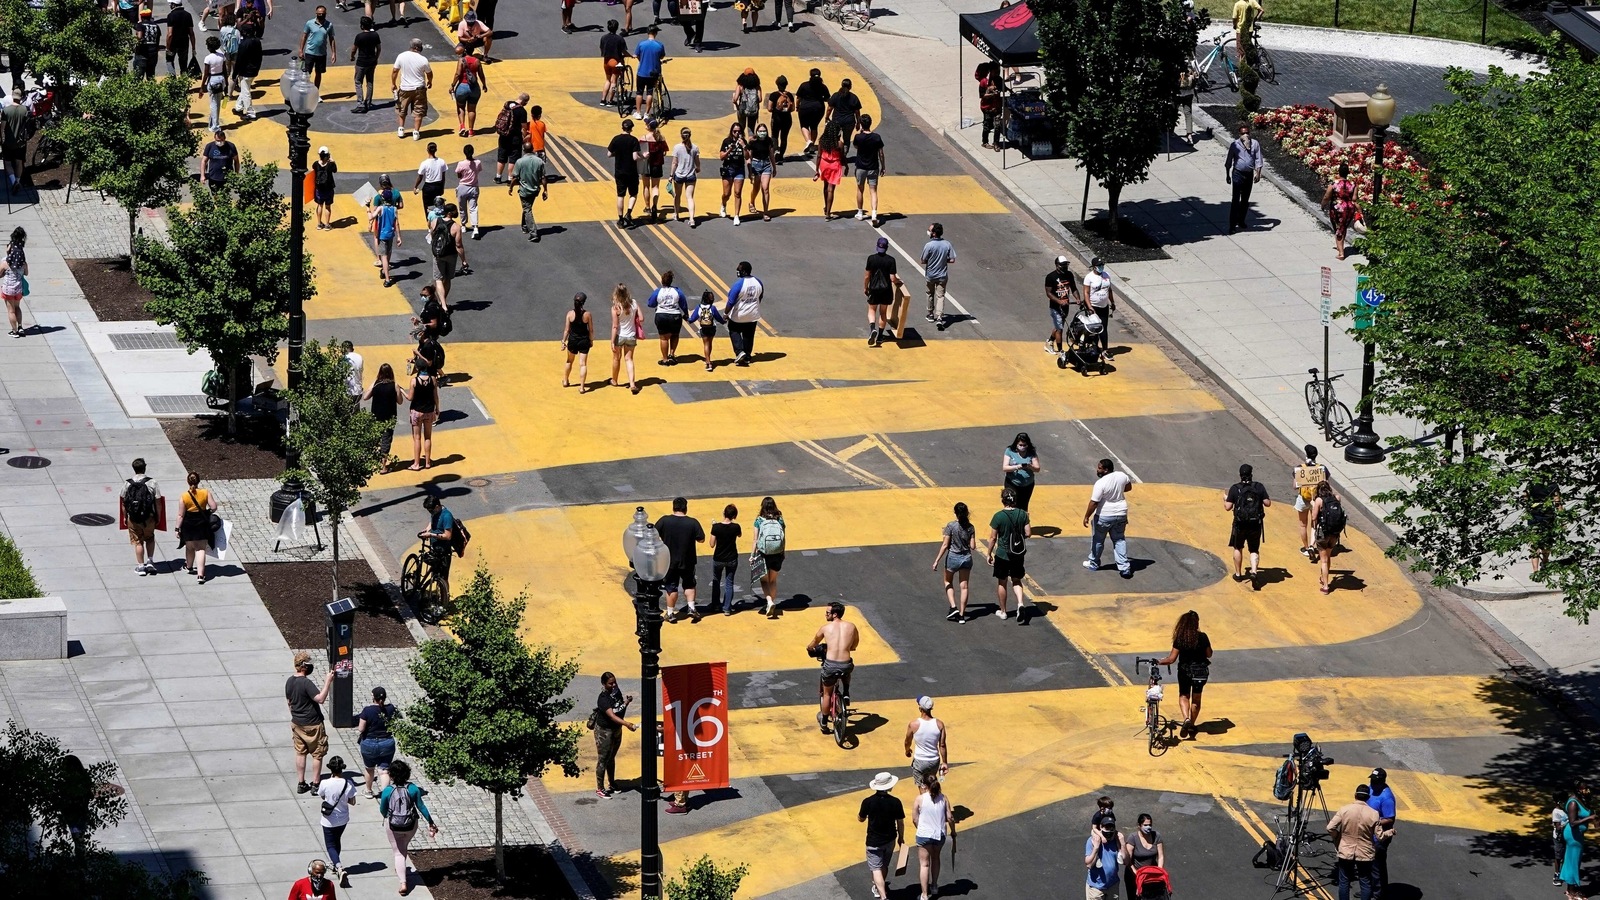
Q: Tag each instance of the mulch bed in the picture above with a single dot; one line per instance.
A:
(468, 874)
(297, 593)
(112, 292)
(204, 446)
(49, 174)
(1132, 244)
(1289, 167)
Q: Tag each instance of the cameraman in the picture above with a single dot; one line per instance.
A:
(1382, 801)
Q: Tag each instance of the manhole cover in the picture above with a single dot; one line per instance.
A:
(478, 482)
(144, 340)
(27, 462)
(92, 519)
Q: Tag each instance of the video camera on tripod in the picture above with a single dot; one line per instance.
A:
(1311, 764)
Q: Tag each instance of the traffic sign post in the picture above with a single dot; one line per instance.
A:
(1327, 319)
(1363, 447)
(1368, 303)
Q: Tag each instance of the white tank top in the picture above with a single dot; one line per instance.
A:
(930, 816)
(925, 743)
(626, 330)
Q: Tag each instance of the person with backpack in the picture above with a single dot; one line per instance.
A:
(141, 504)
(1009, 530)
(705, 318)
(746, 100)
(448, 250)
(1108, 508)
(879, 283)
(374, 738)
(1191, 650)
(247, 65)
(401, 805)
(385, 219)
(767, 551)
(509, 125)
(337, 792)
(1328, 519)
(1307, 476)
(1248, 501)
(780, 110)
(194, 528)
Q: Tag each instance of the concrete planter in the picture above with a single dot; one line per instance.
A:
(33, 628)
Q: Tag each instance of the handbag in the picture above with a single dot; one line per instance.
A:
(25, 290)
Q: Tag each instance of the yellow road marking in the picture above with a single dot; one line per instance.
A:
(856, 449)
(631, 252)
(903, 461)
(822, 453)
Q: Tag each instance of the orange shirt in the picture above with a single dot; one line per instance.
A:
(536, 130)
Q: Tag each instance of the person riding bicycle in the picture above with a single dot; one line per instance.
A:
(834, 642)
(438, 539)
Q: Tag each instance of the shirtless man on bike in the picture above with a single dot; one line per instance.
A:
(836, 640)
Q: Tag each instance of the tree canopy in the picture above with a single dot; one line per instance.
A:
(1491, 262)
(74, 42)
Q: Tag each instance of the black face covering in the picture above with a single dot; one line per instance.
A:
(319, 883)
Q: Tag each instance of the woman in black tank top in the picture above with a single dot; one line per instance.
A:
(424, 412)
(577, 337)
(385, 396)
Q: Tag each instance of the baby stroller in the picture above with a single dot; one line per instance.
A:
(1082, 348)
(1152, 883)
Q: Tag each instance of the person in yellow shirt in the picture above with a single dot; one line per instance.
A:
(1245, 15)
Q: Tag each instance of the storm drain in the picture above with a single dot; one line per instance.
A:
(177, 404)
(144, 340)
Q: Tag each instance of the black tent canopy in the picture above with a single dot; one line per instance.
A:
(1009, 36)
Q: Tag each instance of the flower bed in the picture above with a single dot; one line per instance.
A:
(1303, 132)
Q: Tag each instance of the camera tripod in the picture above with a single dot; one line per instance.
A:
(1293, 834)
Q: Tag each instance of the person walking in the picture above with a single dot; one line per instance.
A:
(401, 804)
(1098, 299)
(13, 278)
(218, 158)
(886, 829)
(316, 45)
(1340, 202)
(732, 155)
(1191, 650)
(308, 729)
(16, 126)
(1009, 530)
(651, 53)
(449, 252)
(214, 78)
(685, 172)
(1108, 512)
(627, 324)
(316, 885)
(1104, 854)
(468, 171)
(510, 125)
(424, 395)
(1248, 501)
(146, 44)
(705, 318)
(1307, 476)
(938, 255)
(653, 153)
(811, 102)
(1382, 801)
(762, 162)
(744, 312)
(935, 818)
(374, 739)
(385, 218)
(870, 164)
(530, 183)
(780, 111)
(1144, 850)
(411, 79)
(468, 85)
(955, 551)
(246, 67)
(1354, 828)
(609, 717)
(142, 503)
(322, 186)
(670, 306)
(430, 177)
(577, 337)
(180, 38)
(1242, 169)
(766, 556)
(746, 100)
(1579, 816)
(1018, 467)
(624, 153)
(927, 744)
(692, 16)
(337, 792)
(1328, 518)
(830, 167)
(1060, 294)
(880, 282)
(724, 557)
(194, 526)
(679, 532)
(844, 110)
(613, 56)
(365, 49)
(355, 377)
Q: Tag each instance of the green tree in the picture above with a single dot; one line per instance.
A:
(79, 43)
(44, 794)
(1492, 265)
(336, 439)
(491, 705)
(19, 31)
(705, 881)
(1249, 74)
(133, 141)
(222, 276)
(1111, 82)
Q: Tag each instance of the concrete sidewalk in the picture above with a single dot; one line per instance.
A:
(1245, 306)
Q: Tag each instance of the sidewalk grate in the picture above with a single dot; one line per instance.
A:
(177, 404)
(144, 340)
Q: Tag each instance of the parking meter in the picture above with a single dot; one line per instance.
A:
(342, 661)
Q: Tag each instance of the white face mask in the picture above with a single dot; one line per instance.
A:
(1148, 829)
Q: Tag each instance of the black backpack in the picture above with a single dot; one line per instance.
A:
(138, 501)
(442, 240)
(1017, 539)
(459, 537)
(1331, 520)
(1247, 507)
(1271, 854)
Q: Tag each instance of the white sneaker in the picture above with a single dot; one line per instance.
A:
(636, 115)
(860, 215)
(1000, 616)
(735, 220)
(141, 570)
(1091, 566)
(416, 135)
(400, 132)
(723, 212)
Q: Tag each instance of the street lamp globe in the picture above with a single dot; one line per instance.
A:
(1380, 107)
(299, 93)
(634, 531)
(650, 556)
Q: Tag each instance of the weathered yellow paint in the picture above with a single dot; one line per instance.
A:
(348, 285)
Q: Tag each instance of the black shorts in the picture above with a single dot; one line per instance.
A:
(810, 116)
(881, 296)
(677, 576)
(1011, 568)
(627, 185)
(509, 151)
(774, 561)
(668, 325)
(653, 171)
(645, 83)
(1188, 687)
(1245, 534)
(317, 64)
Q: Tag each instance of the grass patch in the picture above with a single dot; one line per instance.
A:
(1458, 20)
(16, 582)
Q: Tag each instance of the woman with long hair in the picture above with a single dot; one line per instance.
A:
(1578, 818)
(424, 396)
(653, 150)
(194, 526)
(780, 108)
(1019, 464)
(467, 86)
(1191, 650)
(12, 271)
(934, 818)
(1325, 538)
(732, 154)
(1145, 848)
(770, 539)
(627, 323)
(400, 816)
(577, 336)
(955, 551)
(374, 739)
(386, 397)
(1340, 202)
(830, 167)
(747, 100)
(763, 162)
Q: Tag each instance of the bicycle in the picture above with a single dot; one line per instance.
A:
(1160, 729)
(1218, 51)
(848, 15)
(660, 97)
(1265, 66)
(1332, 416)
(838, 715)
(623, 97)
(424, 586)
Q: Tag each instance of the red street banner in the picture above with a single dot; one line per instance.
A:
(694, 703)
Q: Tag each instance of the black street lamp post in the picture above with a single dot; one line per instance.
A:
(1363, 447)
(301, 96)
(650, 562)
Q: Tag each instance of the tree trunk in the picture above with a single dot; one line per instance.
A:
(337, 513)
(233, 399)
(499, 841)
(1115, 191)
(133, 258)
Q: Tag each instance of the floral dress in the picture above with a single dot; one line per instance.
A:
(1342, 209)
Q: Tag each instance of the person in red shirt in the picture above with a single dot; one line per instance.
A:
(316, 885)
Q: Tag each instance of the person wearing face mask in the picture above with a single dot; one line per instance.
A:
(1146, 849)
(1097, 298)
(1243, 169)
(316, 885)
(316, 45)
(1104, 854)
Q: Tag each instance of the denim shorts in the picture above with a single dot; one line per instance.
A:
(957, 562)
(1058, 318)
(377, 753)
(759, 167)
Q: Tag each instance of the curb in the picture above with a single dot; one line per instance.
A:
(1360, 44)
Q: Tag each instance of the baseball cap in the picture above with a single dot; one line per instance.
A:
(174, 2)
(1062, 260)
(652, 30)
(321, 150)
(1246, 470)
(924, 702)
(883, 244)
(472, 15)
(1379, 774)
(1096, 263)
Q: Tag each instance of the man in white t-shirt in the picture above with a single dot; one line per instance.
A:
(1098, 298)
(410, 79)
(1108, 513)
(352, 382)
